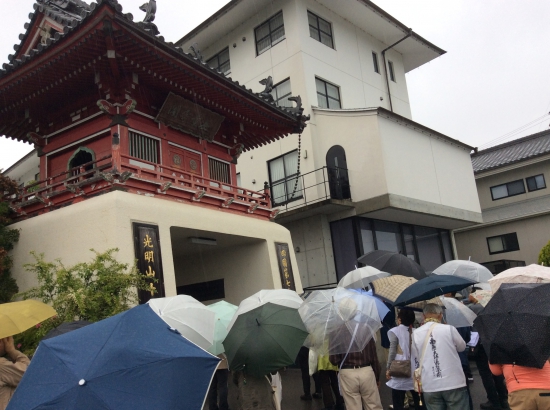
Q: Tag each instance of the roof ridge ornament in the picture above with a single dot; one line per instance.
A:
(150, 10)
(266, 93)
(196, 52)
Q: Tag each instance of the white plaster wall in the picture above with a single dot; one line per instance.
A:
(25, 171)
(358, 134)
(105, 222)
(427, 168)
(242, 268)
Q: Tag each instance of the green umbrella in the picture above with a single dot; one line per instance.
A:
(265, 339)
(224, 313)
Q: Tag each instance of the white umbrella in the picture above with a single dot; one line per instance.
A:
(361, 277)
(523, 274)
(283, 297)
(465, 269)
(339, 321)
(190, 317)
(456, 314)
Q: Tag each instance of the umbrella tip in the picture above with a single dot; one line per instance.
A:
(82, 382)
(257, 322)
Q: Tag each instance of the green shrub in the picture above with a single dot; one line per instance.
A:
(90, 291)
(544, 255)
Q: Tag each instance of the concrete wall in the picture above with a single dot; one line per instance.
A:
(105, 222)
(484, 183)
(313, 247)
(533, 234)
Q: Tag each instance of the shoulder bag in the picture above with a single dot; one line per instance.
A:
(402, 368)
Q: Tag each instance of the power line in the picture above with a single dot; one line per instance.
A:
(516, 131)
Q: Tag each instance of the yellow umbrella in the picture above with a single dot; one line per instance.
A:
(16, 317)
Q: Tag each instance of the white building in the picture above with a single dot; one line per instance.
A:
(364, 175)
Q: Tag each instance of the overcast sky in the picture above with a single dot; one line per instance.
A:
(493, 80)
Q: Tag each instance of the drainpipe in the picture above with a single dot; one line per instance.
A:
(386, 66)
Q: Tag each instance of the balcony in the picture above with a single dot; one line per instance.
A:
(322, 191)
(146, 178)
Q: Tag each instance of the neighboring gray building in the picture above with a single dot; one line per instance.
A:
(512, 184)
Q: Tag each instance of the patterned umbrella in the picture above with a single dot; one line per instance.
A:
(523, 274)
(515, 325)
(391, 287)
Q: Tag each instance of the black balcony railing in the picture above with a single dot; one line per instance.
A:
(314, 186)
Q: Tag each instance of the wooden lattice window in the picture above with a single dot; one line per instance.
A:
(219, 170)
(143, 147)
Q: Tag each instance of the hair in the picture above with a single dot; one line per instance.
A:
(432, 309)
(407, 317)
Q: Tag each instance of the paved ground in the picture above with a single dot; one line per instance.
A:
(292, 389)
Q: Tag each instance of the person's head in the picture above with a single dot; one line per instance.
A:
(406, 317)
(433, 311)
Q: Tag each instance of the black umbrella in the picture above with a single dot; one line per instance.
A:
(394, 263)
(430, 287)
(66, 327)
(515, 325)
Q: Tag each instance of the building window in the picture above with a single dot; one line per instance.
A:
(320, 29)
(144, 148)
(535, 183)
(508, 189)
(269, 33)
(286, 185)
(392, 73)
(82, 157)
(375, 62)
(219, 170)
(221, 62)
(328, 95)
(503, 243)
(281, 92)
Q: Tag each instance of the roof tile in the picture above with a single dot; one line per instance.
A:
(511, 152)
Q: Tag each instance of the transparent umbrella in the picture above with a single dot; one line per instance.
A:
(339, 320)
(190, 317)
(456, 314)
(465, 269)
(361, 278)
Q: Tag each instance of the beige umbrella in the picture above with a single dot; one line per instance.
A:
(522, 274)
(391, 287)
(16, 317)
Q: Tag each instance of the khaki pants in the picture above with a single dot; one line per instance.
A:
(359, 389)
(529, 399)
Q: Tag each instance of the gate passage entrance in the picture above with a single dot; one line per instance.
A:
(212, 265)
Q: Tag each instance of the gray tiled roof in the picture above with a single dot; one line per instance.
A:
(511, 152)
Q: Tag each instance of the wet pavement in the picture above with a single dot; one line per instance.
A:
(292, 389)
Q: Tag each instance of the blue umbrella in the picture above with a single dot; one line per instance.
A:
(130, 361)
(383, 310)
(430, 287)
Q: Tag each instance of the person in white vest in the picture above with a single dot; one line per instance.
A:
(400, 342)
(435, 348)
